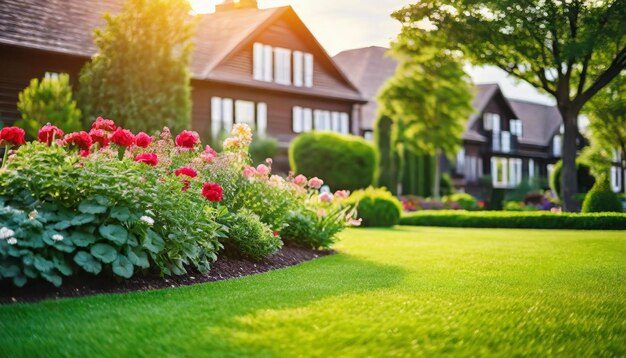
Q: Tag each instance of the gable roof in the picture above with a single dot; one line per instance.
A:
(66, 26)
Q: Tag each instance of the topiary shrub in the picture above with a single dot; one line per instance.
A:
(344, 161)
(583, 176)
(263, 148)
(248, 237)
(376, 207)
(464, 200)
(601, 198)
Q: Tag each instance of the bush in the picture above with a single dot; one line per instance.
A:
(312, 229)
(601, 198)
(517, 220)
(141, 80)
(344, 161)
(248, 237)
(263, 148)
(583, 176)
(465, 201)
(49, 100)
(376, 207)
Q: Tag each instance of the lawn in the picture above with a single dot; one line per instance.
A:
(409, 291)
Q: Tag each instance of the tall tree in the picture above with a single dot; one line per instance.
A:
(428, 100)
(569, 49)
(140, 76)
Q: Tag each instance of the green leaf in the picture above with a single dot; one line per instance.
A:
(153, 242)
(138, 258)
(104, 252)
(19, 281)
(123, 267)
(120, 213)
(115, 233)
(42, 264)
(62, 266)
(91, 207)
(83, 219)
(53, 278)
(9, 270)
(83, 239)
(88, 262)
(62, 225)
(103, 200)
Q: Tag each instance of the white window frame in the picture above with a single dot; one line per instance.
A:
(616, 178)
(506, 142)
(516, 127)
(344, 119)
(556, 145)
(460, 161)
(261, 119)
(515, 172)
(268, 56)
(216, 116)
(298, 68)
(244, 113)
(297, 124)
(257, 61)
(282, 66)
(491, 122)
(308, 70)
(496, 181)
(307, 119)
(531, 168)
(335, 125)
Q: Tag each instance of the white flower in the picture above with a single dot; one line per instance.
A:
(148, 220)
(12, 241)
(57, 237)
(6, 233)
(33, 215)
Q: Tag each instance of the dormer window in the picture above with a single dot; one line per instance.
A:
(274, 64)
(282, 66)
(491, 122)
(556, 145)
(262, 62)
(516, 127)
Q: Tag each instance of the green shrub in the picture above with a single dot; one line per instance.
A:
(263, 148)
(48, 101)
(248, 237)
(518, 206)
(583, 176)
(343, 161)
(312, 229)
(601, 198)
(517, 220)
(376, 207)
(464, 200)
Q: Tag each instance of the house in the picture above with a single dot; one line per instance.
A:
(257, 66)
(505, 140)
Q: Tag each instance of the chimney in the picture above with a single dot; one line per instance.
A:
(228, 5)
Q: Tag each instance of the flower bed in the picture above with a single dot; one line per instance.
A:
(519, 220)
(116, 203)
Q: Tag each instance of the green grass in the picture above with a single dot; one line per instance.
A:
(409, 291)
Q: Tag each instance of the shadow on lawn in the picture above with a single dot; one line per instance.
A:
(189, 319)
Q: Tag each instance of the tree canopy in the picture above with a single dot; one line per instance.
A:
(140, 76)
(568, 49)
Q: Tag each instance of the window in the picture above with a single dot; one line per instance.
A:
(460, 161)
(308, 70)
(506, 172)
(506, 142)
(244, 112)
(261, 119)
(282, 66)
(515, 172)
(531, 168)
(616, 178)
(556, 145)
(322, 120)
(491, 122)
(308, 119)
(617, 156)
(298, 69)
(368, 135)
(516, 127)
(221, 116)
(335, 124)
(297, 123)
(262, 62)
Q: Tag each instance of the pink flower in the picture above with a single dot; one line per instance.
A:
(147, 158)
(300, 180)
(82, 140)
(99, 136)
(123, 137)
(325, 197)
(187, 139)
(47, 132)
(84, 153)
(249, 171)
(142, 140)
(106, 125)
(342, 194)
(208, 154)
(262, 169)
(316, 183)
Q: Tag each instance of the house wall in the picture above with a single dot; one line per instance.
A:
(19, 65)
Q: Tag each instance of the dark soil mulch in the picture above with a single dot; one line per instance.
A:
(86, 285)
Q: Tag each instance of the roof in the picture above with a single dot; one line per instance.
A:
(539, 121)
(482, 95)
(66, 26)
(368, 68)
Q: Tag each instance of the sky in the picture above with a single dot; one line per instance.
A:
(346, 24)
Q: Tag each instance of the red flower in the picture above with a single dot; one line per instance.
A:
(104, 124)
(187, 139)
(99, 136)
(147, 158)
(123, 137)
(142, 140)
(212, 192)
(12, 135)
(275, 233)
(85, 153)
(190, 172)
(80, 139)
(47, 132)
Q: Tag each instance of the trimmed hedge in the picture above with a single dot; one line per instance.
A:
(376, 207)
(517, 220)
(345, 162)
(602, 199)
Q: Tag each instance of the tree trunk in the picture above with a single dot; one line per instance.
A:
(437, 181)
(569, 180)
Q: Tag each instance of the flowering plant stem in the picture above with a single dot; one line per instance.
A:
(6, 154)
(120, 152)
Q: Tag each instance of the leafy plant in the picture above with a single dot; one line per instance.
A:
(249, 237)
(263, 148)
(601, 198)
(376, 207)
